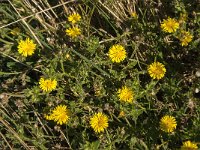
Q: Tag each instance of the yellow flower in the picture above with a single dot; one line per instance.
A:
(74, 18)
(168, 124)
(99, 122)
(60, 115)
(156, 70)
(15, 31)
(169, 25)
(67, 56)
(47, 85)
(117, 53)
(125, 94)
(134, 15)
(26, 47)
(185, 38)
(188, 145)
(121, 114)
(73, 32)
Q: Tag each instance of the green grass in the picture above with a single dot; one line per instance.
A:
(88, 80)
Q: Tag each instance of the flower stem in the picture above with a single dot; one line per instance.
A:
(108, 136)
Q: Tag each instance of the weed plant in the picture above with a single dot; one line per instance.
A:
(100, 74)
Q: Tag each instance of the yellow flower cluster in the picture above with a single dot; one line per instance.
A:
(74, 18)
(168, 124)
(185, 38)
(26, 47)
(117, 53)
(125, 94)
(47, 85)
(60, 115)
(99, 122)
(74, 31)
(134, 15)
(156, 70)
(188, 145)
(121, 114)
(171, 25)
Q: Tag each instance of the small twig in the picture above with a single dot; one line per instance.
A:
(15, 95)
(41, 8)
(40, 122)
(48, 5)
(6, 141)
(107, 40)
(110, 11)
(36, 13)
(23, 20)
(128, 122)
(9, 73)
(18, 61)
(14, 134)
(67, 140)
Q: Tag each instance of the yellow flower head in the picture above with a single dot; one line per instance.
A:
(47, 85)
(15, 31)
(60, 115)
(188, 145)
(74, 18)
(73, 32)
(168, 124)
(121, 114)
(125, 94)
(26, 47)
(185, 38)
(117, 53)
(170, 25)
(99, 122)
(134, 15)
(156, 70)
